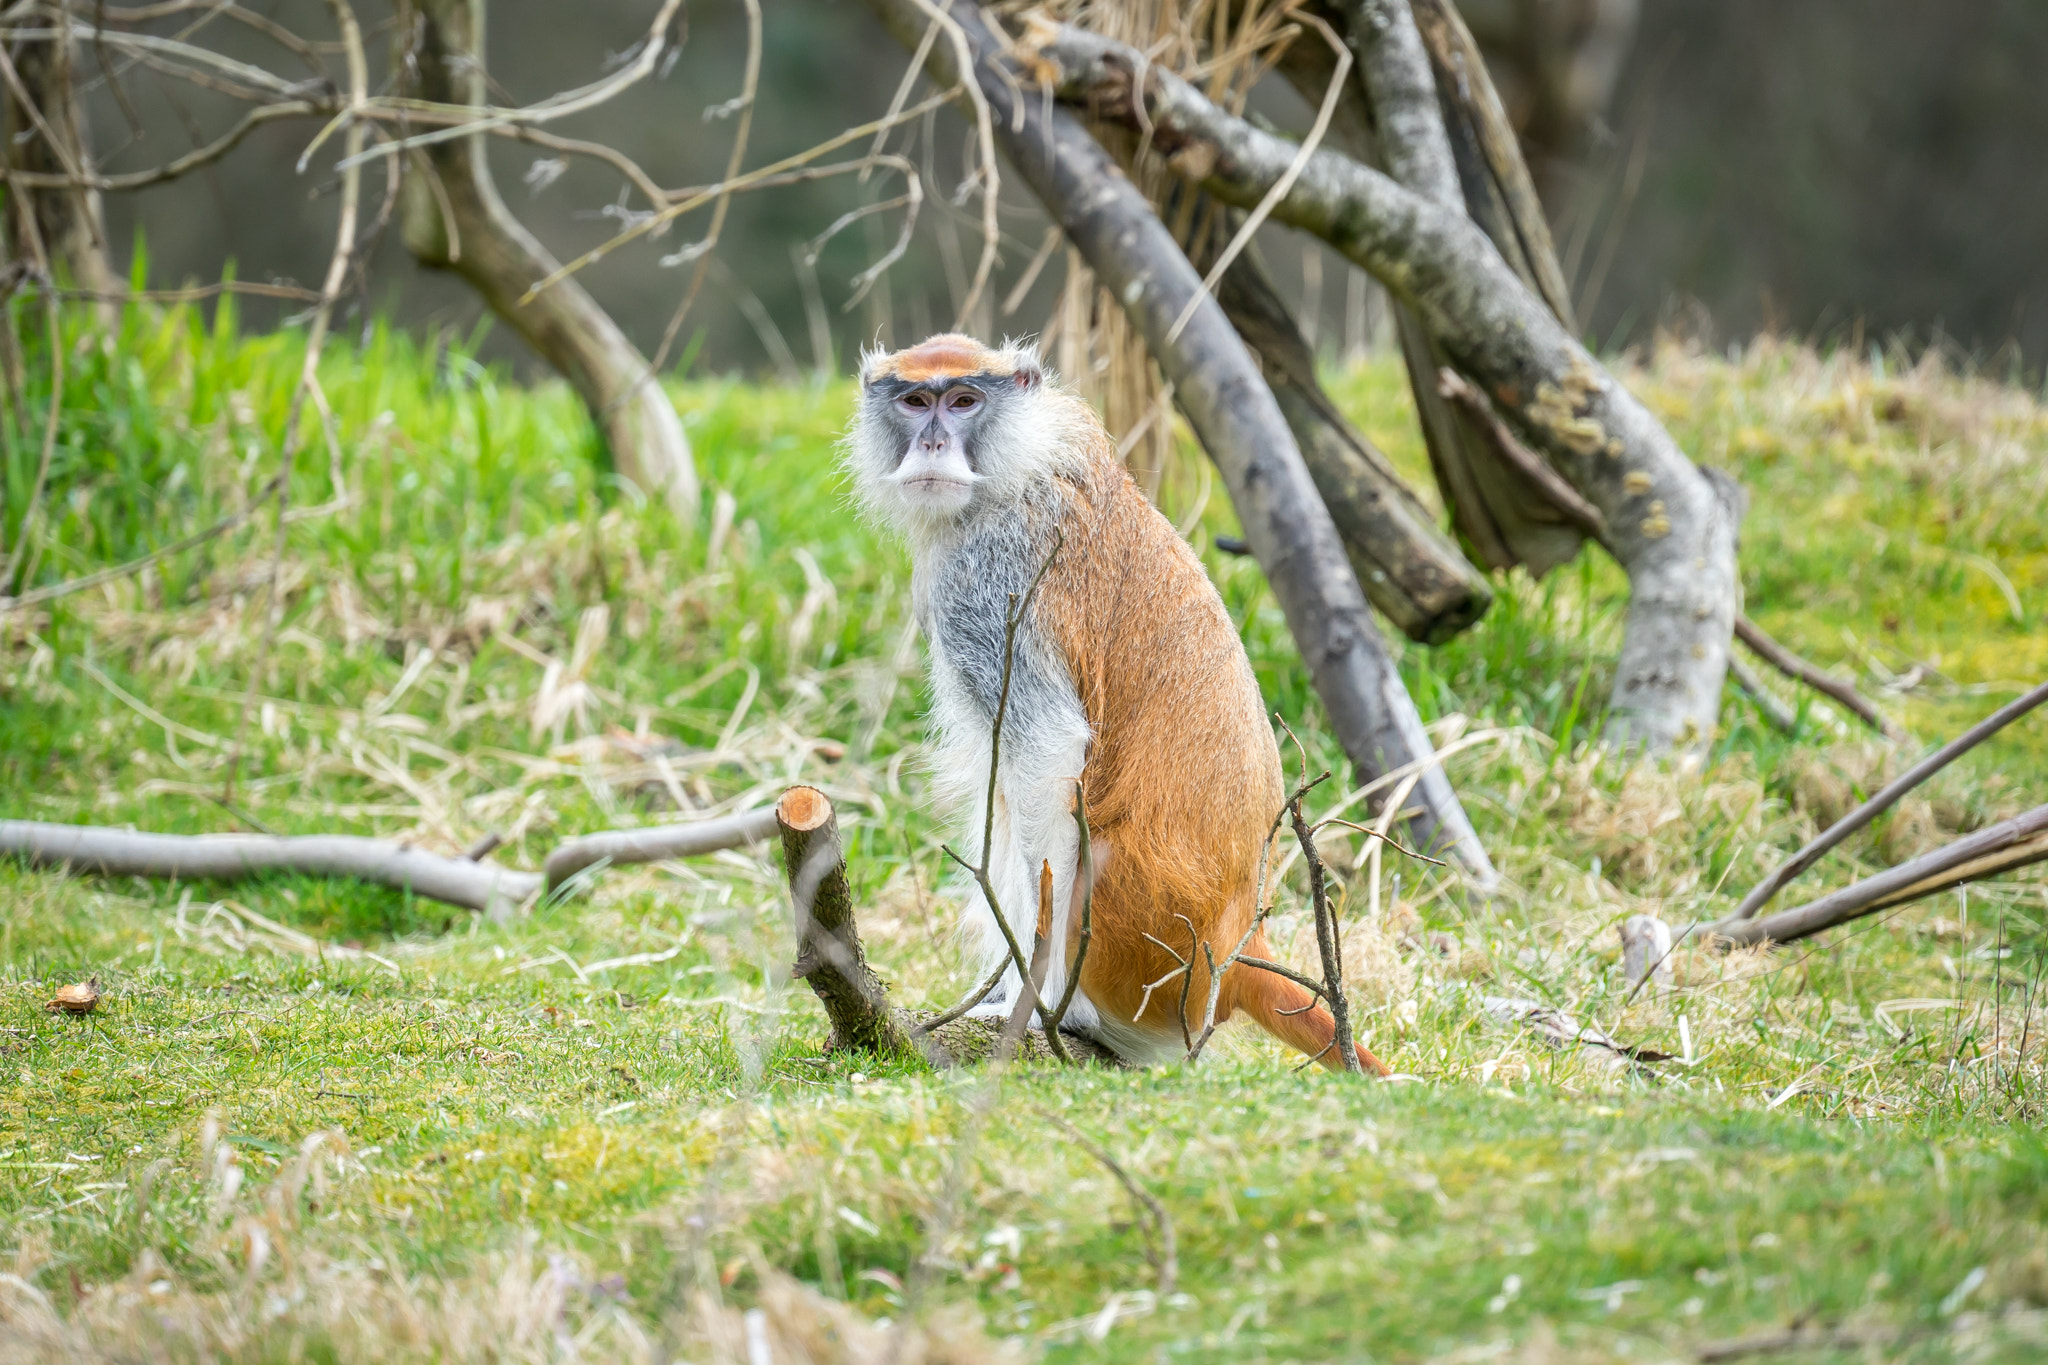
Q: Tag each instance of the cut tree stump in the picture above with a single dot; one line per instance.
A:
(831, 961)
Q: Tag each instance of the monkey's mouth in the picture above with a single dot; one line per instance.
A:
(936, 488)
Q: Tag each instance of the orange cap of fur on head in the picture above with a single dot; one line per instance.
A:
(945, 356)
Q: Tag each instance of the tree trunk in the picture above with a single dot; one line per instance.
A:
(1233, 412)
(50, 139)
(455, 220)
(1408, 567)
(1667, 524)
(1425, 106)
(831, 961)
(829, 957)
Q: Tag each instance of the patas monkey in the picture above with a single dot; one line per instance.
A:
(1126, 674)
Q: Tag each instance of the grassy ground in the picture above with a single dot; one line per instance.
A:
(321, 1120)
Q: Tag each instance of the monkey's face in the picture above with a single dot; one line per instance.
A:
(939, 425)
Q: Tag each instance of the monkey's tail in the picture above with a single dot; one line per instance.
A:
(1290, 1013)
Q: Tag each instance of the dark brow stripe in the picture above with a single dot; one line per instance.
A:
(980, 380)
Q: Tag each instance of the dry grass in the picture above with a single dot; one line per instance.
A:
(605, 1128)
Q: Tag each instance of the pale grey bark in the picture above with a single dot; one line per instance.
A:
(454, 219)
(1666, 524)
(59, 226)
(1218, 387)
(467, 882)
(1410, 569)
(2001, 848)
(660, 842)
(1445, 92)
(1394, 67)
(233, 857)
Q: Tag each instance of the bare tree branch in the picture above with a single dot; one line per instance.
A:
(1884, 800)
(471, 232)
(614, 847)
(1792, 666)
(2000, 848)
(1231, 409)
(234, 857)
(1665, 522)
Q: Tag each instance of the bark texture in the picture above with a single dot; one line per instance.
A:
(50, 140)
(832, 962)
(1233, 412)
(1501, 518)
(1408, 567)
(685, 840)
(454, 219)
(233, 857)
(1665, 522)
(829, 957)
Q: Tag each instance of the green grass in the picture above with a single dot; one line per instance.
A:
(482, 630)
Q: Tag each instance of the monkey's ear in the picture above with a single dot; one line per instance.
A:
(1029, 374)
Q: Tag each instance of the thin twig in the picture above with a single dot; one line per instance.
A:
(1013, 615)
(775, 173)
(1328, 939)
(1084, 869)
(960, 1010)
(1257, 217)
(93, 580)
(1877, 805)
(1792, 666)
(985, 146)
(1389, 840)
(749, 86)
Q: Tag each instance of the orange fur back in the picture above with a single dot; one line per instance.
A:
(1183, 777)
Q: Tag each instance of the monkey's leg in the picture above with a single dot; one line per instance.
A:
(1287, 1011)
(1040, 769)
(1036, 815)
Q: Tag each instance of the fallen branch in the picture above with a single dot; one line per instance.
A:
(233, 857)
(1560, 1030)
(661, 842)
(1781, 717)
(1408, 566)
(466, 881)
(2000, 848)
(1233, 412)
(1792, 666)
(1877, 805)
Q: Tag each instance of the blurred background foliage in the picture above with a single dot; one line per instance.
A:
(1831, 168)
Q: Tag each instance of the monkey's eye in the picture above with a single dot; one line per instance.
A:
(963, 402)
(916, 401)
